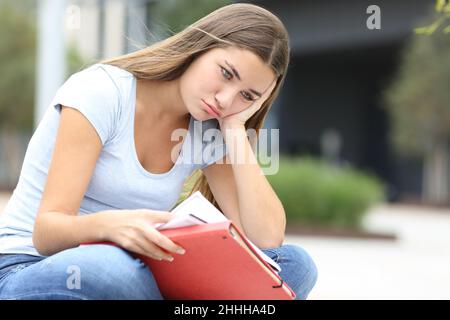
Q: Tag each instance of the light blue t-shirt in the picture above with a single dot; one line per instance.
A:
(106, 96)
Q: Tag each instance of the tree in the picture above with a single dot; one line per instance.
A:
(17, 62)
(418, 102)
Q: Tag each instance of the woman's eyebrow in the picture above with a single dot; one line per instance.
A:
(236, 73)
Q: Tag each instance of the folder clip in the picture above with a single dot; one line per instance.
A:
(281, 284)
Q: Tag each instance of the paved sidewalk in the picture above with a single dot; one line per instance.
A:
(415, 266)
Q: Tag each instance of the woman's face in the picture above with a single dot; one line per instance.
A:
(227, 79)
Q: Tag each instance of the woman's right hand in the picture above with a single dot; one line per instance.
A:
(134, 230)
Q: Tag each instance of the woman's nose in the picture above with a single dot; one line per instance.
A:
(220, 105)
(224, 99)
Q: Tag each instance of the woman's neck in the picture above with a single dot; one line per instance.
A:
(160, 100)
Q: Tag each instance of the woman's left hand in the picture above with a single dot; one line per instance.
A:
(239, 119)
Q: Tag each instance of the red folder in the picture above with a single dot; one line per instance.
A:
(219, 264)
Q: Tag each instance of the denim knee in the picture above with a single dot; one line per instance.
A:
(94, 272)
(298, 270)
(109, 272)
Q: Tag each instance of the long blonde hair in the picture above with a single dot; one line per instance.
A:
(243, 25)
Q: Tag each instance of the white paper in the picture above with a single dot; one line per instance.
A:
(197, 210)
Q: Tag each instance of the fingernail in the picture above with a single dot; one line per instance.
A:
(181, 251)
(170, 259)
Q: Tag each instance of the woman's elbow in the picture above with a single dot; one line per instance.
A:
(37, 243)
(37, 238)
(271, 242)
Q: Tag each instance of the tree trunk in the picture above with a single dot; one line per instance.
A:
(436, 175)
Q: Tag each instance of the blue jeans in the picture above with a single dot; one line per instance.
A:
(109, 272)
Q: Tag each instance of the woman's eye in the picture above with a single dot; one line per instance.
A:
(247, 96)
(226, 74)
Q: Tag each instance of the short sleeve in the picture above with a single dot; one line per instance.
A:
(214, 147)
(94, 93)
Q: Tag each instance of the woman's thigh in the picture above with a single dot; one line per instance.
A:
(298, 269)
(97, 271)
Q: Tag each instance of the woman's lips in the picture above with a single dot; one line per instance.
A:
(211, 110)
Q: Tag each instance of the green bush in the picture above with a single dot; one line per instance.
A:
(315, 193)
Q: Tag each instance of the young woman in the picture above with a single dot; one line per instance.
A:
(102, 164)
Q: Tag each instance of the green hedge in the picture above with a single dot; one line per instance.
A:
(315, 193)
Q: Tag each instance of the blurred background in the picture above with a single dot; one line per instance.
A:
(364, 121)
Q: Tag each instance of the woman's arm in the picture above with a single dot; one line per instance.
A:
(77, 148)
(58, 225)
(242, 190)
(131, 229)
(57, 231)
